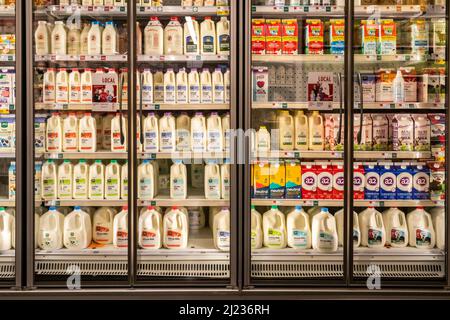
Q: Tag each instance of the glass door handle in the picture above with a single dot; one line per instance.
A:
(361, 110)
(141, 122)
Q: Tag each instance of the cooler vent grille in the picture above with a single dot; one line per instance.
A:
(7, 271)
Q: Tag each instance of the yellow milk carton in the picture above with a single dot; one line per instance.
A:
(261, 173)
(277, 180)
(293, 179)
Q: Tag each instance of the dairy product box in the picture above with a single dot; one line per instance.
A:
(258, 36)
(368, 82)
(369, 36)
(320, 86)
(314, 39)
(273, 36)
(380, 132)
(359, 181)
(324, 171)
(438, 41)
(12, 181)
(8, 44)
(290, 36)
(260, 84)
(388, 181)
(404, 175)
(437, 135)
(40, 123)
(293, 179)
(277, 185)
(421, 181)
(7, 133)
(337, 36)
(390, 117)
(363, 138)
(431, 86)
(7, 86)
(410, 78)
(387, 40)
(422, 133)
(338, 180)
(334, 142)
(384, 85)
(437, 181)
(372, 181)
(105, 87)
(403, 133)
(419, 36)
(261, 173)
(309, 180)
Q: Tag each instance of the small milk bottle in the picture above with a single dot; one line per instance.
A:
(226, 128)
(191, 37)
(86, 86)
(51, 226)
(223, 36)
(173, 37)
(95, 39)
(274, 228)
(70, 132)
(106, 131)
(147, 87)
(178, 180)
(87, 134)
(170, 90)
(194, 86)
(221, 230)
(112, 181)
(120, 229)
(183, 125)
(62, 86)
(49, 94)
(198, 133)
(96, 181)
(214, 133)
(73, 40)
(102, 225)
(54, 133)
(206, 86)
(109, 39)
(49, 188)
(218, 86)
(227, 84)
(298, 229)
(262, 140)
(182, 86)
(151, 133)
(42, 39)
(167, 133)
(256, 229)
(59, 39)
(208, 37)
(65, 180)
(80, 180)
(286, 130)
(176, 229)
(154, 38)
(75, 86)
(301, 131)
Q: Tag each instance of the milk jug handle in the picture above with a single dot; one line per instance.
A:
(361, 108)
(341, 107)
(141, 122)
(429, 221)
(122, 136)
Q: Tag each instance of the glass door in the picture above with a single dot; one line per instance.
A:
(400, 123)
(186, 175)
(81, 115)
(294, 221)
(8, 141)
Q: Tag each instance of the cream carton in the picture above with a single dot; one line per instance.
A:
(363, 138)
(368, 87)
(419, 36)
(260, 84)
(380, 132)
(7, 134)
(410, 78)
(422, 133)
(438, 41)
(437, 138)
(431, 86)
(384, 85)
(258, 36)
(337, 36)
(290, 36)
(387, 40)
(314, 31)
(369, 36)
(273, 36)
(403, 133)
(261, 175)
(293, 179)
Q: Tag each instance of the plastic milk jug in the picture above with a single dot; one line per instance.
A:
(225, 180)
(324, 232)
(182, 86)
(173, 37)
(86, 86)
(356, 235)
(286, 130)
(51, 226)
(95, 39)
(214, 133)
(42, 38)
(84, 39)
(49, 181)
(120, 229)
(178, 181)
(77, 230)
(206, 94)
(167, 133)
(226, 129)
(227, 83)
(75, 86)
(316, 132)
(102, 226)
(150, 229)
(198, 133)
(191, 37)
(257, 231)
(6, 230)
(263, 140)
(73, 40)
(146, 182)
(223, 36)
(154, 37)
(59, 39)
(151, 133)
(274, 226)
(176, 229)
(218, 86)
(212, 181)
(116, 145)
(106, 131)
(65, 180)
(421, 230)
(87, 134)
(158, 87)
(208, 37)
(62, 86)
(96, 180)
(396, 228)
(112, 181)
(298, 229)
(194, 86)
(147, 87)
(301, 131)
(170, 91)
(438, 217)
(80, 180)
(70, 129)
(197, 218)
(373, 234)
(221, 230)
(49, 92)
(124, 182)
(109, 39)
(183, 126)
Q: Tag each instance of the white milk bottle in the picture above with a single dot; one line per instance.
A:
(222, 230)
(198, 133)
(95, 39)
(176, 229)
(286, 130)
(421, 230)
(42, 39)
(170, 91)
(316, 132)
(356, 235)
(324, 233)
(73, 40)
(396, 228)
(112, 181)
(51, 226)
(106, 131)
(227, 84)
(197, 218)
(214, 133)
(84, 39)
(223, 36)
(62, 86)
(87, 134)
(118, 130)
(208, 37)
(147, 87)
(274, 227)
(65, 180)
(59, 39)
(102, 226)
(6, 230)
(154, 37)
(194, 86)
(256, 229)
(109, 39)
(212, 181)
(173, 37)
(96, 181)
(438, 217)
(178, 180)
(206, 94)
(301, 131)
(226, 128)
(54, 135)
(151, 133)
(120, 229)
(49, 91)
(150, 229)
(183, 126)
(146, 181)
(298, 229)
(80, 180)
(70, 132)
(99, 130)
(373, 234)
(191, 37)
(262, 140)
(182, 86)
(86, 86)
(225, 180)
(124, 182)
(77, 230)
(75, 86)
(218, 86)
(158, 86)
(167, 133)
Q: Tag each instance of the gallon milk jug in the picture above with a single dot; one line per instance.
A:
(197, 176)
(286, 130)
(59, 39)
(191, 37)
(54, 133)
(316, 132)
(42, 39)
(87, 134)
(6, 230)
(197, 219)
(356, 235)
(65, 180)
(112, 181)
(301, 131)
(221, 230)
(167, 132)
(373, 234)
(106, 131)
(212, 181)
(102, 231)
(37, 218)
(421, 230)
(396, 228)
(98, 117)
(178, 180)
(146, 182)
(225, 180)
(73, 40)
(84, 39)
(170, 92)
(95, 39)
(208, 37)
(151, 133)
(80, 180)
(227, 83)
(214, 133)
(62, 86)
(206, 86)
(49, 92)
(183, 126)
(49, 189)
(176, 229)
(109, 39)
(75, 86)
(150, 229)
(223, 36)
(194, 86)
(86, 86)
(274, 226)
(70, 130)
(124, 183)
(218, 86)
(77, 230)
(117, 130)
(324, 232)
(298, 229)
(158, 85)
(257, 230)
(147, 87)
(262, 140)
(438, 217)
(198, 133)
(154, 38)
(182, 86)
(97, 180)
(173, 37)
(120, 229)
(226, 129)
(51, 226)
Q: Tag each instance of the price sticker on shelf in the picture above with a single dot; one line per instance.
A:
(394, 155)
(10, 58)
(315, 203)
(153, 203)
(253, 9)
(194, 9)
(296, 155)
(305, 9)
(153, 156)
(286, 9)
(379, 57)
(122, 9)
(381, 204)
(407, 57)
(284, 105)
(327, 9)
(142, 9)
(157, 107)
(223, 11)
(392, 106)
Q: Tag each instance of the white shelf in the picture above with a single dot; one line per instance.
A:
(195, 198)
(183, 155)
(94, 107)
(184, 58)
(99, 155)
(80, 58)
(332, 58)
(322, 105)
(184, 10)
(9, 203)
(188, 106)
(7, 58)
(313, 155)
(340, 203)
(392, 155)
(85, 202)
(402, 106)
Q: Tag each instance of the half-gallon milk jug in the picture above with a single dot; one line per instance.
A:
(154, 37)
(208, 37)
(197, 176)
(42, 38)
(176, 229)
(257, 234)
(274, 226)
(316, 132)
(98, 117)
(223, 36)
(214, 133)
(147, 86)
(87, 134)
(59, 39)
(227, 84)
(109, 39)
(301, 131)
(324, 232)
(212, 181)
(167, 133)
(49, 189)
(102, 226)
(421, 230)
(178, 180)
(191, 37)
(373, 234)
(70, 130)
(183, 126)
(106, 131)
(438, 217)
(286, 130)
(86, 86)
(396, 228)
(95, 39)
(49, 92)
(170, 91)
(221, 230)
(75, 86)
(198, 133)
(298, 229)
(65, 180)
(97, 180)
(62, 86)
(77, 230)
(150, 229)
(206, 94)
(197, 219)
(158, 87)
(120, 229)
(84, 39)
(146, 182)
(225, 180)
(226, 128)
(182, 86)
(124, 183)
(37, 218)
(262, 140)
(80, 180)
(117, 131)
(173, 37)
(194, 86)
(356, 235)
(112, 181)
(218, 86)
(51, 226)
(151, 133)
(6, 230)
(73, 40)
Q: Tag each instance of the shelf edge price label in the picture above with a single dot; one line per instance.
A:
(315, 203)
(305, 9)
(327, 9)
(253, 9)
(153, 203)
(284, 105)
(394, 155)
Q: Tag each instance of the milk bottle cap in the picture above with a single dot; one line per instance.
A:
(110, 23)
(114, 161)
(74, 69)
(99, 70)
(214, 113)
(167, 114)
(205, 69)
(125, 208)
(62, 69)
(194, 69)
(94, 23)
(174, 19)
(2, 209)
(219, 69)
(98, 161)
(151, 114)
(154, 19)
(146, 162)
(298, 208)
(66, 161)
(77, 208)
(207, 18)
(170, 70)
(150, 208)
(324, 210)
(87, 114)
(82, 161)
(198, 114)
(174, 208)
(253, 207)
(52, 208)
(274, 207)
(123, 69)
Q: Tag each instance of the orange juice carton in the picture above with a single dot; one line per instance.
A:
(314, 31)
(258, 36)
(290, 36)
(369, 35)
(387, 41)
(273, 36)
(337, 36)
